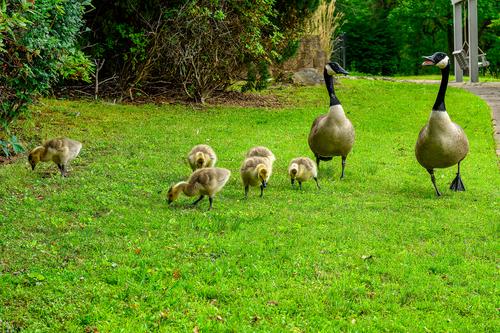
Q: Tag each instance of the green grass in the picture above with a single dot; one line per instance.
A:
(437, 77)
(374, 252)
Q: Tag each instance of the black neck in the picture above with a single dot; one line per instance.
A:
(439, 104)
(329, 86)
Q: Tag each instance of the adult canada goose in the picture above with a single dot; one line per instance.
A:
(262, 152)
(302, 169)
(202, 156)
(441, 143)
(61, 151)
(332, 134)
(256, 171)
(206, 181)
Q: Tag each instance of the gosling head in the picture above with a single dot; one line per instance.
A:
(294, 169)
(439, 59)
(34, 157)
(173, 193)
(334, 67)
(200, 160)
(263, 174)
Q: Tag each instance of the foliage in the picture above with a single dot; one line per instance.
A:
(388, 37)
(375, 252)
(197, 46)
(37, 47)
(11, 146)
(324, 23)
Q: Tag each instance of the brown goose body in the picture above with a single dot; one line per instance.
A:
(202, 156)
(441, 142)
(332, 134)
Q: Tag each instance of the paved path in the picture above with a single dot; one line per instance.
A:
(490, 92)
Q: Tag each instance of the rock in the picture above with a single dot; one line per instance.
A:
(307, 77)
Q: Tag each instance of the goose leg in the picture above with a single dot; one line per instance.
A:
(198, 200)
(261, 190)
(317, 184)
(343, 166)
(246, 191)
(317, 161)
(211, 200)
(457, 184)
(433, 179)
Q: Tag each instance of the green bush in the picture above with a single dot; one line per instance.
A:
(195, 47)
(37, 47)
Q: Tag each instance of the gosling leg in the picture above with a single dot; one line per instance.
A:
(211, 200)
(317, 184)
(343, 166)
(261, 190)
(300, 185)
(457, 184)
(433, 179)
(246, 191)
(293, 182)
(198, 200)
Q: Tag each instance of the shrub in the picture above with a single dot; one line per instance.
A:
(37, 47)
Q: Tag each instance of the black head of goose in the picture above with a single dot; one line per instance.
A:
(332, 134)
(441, 143)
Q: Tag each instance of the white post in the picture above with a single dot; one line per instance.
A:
(473, 43)
(457, 37)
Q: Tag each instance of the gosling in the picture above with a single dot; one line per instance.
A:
(261, 152)
(61, 151)
(256, 171)
(206, 181)
(201, 156)
(302, 169)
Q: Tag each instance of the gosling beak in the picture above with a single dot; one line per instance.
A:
(428, 61)
(264, 184)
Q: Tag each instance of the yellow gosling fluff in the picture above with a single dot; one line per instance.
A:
(201, 156)
(60, 151)
(261, 152)
(256, 171)
(206, 181)
(302, 169)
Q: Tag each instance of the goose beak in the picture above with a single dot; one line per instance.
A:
(340, 70)
(428, 61)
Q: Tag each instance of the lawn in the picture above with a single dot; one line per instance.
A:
(377, 251)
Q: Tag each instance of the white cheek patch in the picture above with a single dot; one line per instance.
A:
(443, 63)
(329, 70)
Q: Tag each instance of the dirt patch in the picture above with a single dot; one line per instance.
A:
(8, 160)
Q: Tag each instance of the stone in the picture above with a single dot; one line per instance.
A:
(307, 77)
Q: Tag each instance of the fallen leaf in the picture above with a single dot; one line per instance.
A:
(274, 303)
(219, 318)
(164, 313)
(366, 257)
(196, 329)
(176, 274)
(137, 250)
